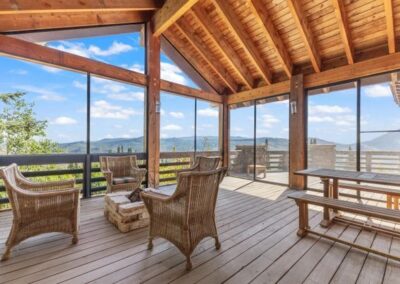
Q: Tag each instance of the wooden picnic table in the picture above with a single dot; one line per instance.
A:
(335, 175)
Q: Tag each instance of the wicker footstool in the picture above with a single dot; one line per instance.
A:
(123, 213)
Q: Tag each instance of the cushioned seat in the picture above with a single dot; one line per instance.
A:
(122, 180)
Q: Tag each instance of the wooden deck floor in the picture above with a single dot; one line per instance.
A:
(257, 226)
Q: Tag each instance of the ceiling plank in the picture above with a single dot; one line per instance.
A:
(344, 29)
(170, 12)
(185, 28)
(305, 32)
(205, 21)
(391, 36)
(48, 21)
(180, 45)
(378, 65)
(62, 6)
(226, 12)
(264, 20)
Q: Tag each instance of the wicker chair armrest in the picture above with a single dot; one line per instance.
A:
(27, 184)
(108, 175)
(151, 195)
(138, 171)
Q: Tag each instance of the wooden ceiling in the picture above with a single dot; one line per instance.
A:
(238, 45)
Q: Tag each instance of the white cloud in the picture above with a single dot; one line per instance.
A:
(268, 120)
(115, 90)
(79, 85)
(103, 109)
(377, 91)
(127, 96)
(321, 119)
(115, 48)
(172, 73)
(79, 48)
(171, 127)
(64, 120)
(44, 94)
(208, 112)
(331, 109)
(51, 69)
(135, 67)
(176, 114)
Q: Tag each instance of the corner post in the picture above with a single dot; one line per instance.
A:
(153, 106)
(297, 132)
(224, 128)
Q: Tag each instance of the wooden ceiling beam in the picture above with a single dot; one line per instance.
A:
(391, 34)
(264, 20)
(180, 45)
(62, 6)
(170, 12)
(237, 29)
(344, 29)
(205, 21)
(382, 64)
(185, 28)
(305, 32)
(48, 21)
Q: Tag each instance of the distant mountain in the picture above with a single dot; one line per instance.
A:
(389, 141)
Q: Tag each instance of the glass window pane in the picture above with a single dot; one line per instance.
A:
(332, 128)
(117, 117)
(42, 110)
(380, 120)
(272, 151)
(241, 140)
(207, 132)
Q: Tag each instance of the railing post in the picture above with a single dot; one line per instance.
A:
(87, 176)
(368, 161)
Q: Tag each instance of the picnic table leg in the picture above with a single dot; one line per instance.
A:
(326, 221)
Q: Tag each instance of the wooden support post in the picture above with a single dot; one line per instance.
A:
(297, 132)
(224, 130)
(153, 107)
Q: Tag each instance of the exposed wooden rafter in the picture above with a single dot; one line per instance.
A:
(223, 46)
(344, 29)
(305, 32)
(63, 6)
(180, 45)
(226, 12)
(261, 15)
(391, 36)
(191, 35)
(170, 12)
(48, 21)
(386, 63)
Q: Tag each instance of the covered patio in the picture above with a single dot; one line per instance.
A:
(269, 87)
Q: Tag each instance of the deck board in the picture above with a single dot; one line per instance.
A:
(257, 227)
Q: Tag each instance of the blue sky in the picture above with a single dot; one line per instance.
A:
(118, 108)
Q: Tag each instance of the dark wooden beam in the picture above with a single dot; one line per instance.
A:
(305, 32)
(63, 6)
(48, 21)
(243, 37)
(185, 28)
(260, 13)
(218, 38)
(153, 107)
(297, 132)
(170, 12)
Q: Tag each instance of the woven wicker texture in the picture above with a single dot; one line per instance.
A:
(39, 207)
(202, 163)
(188, 216)
(117, 168)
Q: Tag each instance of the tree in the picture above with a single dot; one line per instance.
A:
(20, 131)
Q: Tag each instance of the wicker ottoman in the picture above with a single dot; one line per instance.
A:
(123, 213)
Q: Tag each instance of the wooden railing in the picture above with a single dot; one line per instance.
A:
(89, 178)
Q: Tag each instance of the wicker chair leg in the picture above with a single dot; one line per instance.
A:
(150, 244)
(6, 254)
(217, 243)
(75, 238)
(188, 263)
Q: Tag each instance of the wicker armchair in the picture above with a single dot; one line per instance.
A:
(121, 173)
(188, 216)
(202, 163)
(39, 207)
